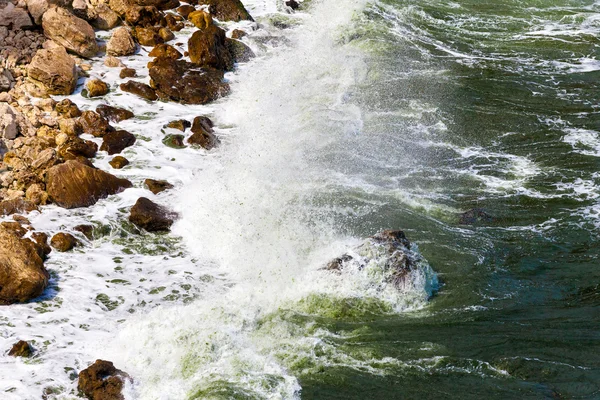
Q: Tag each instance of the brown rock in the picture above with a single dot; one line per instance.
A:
(181, 81)
(55, 70)
(293, 4)
(166, 34)
(140, 89)
(67, 109)
(36, 194)
(70, 126)
(203, 134)
(86, 230)
(75, 148)
(63, 241)
(21, 349)
(157, 186)
(118, 162)
(185, 10)
(22, 273)
(37, 8)
(207, 48)
(95, 124)
(173, 23)
(200, 18)
(121, 43)
(102, 381)
(147, 36)
(227, 10)
(14, 17)
(179, 124)
(106, 18)
(142, 16)
(127, 73)
(41, 241)
(15, 228)
(72, 184)
(165, 50)
(69, 31)
(117, 141)
(114, 114)
(238, 34)
(96, 87)
(8, 207)
(148, 215)
(113, 62)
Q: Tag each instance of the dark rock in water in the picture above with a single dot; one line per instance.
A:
(185, 10)
(181, 81)
(293, 4)
(86, 230)
(118, 162)
(165, 50)
(22, 273)
(238, 34)
(180, 124)
(21, 349)
(147, 36)
(95, 124)
(41, 241)
(390, 256)
(208, 48)
(67, 109)
(174, 141)
(102, 381)
(75, 148)
(203, 134)
(227, 10)
(475, 216)
(115, 142)
(114, 114)
(8, 207)
(150, 216)
(63, 241)
(140, 89)
(239, 51)
(72, 184)
(156, 186)
(127, 73)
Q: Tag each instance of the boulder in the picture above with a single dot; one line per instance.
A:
(207, 48)
(238, 50)
(72, 184)
(36, 194)
(102, 381)
(185, 10)
(114, 114)
(148, 215)
(36, 9)
(76, 148)
(96, 87)
(63, 241)
(165, 34)
(21, 349)
(67, 109)
(14, 17)
(69, 31)
(16, 206)
(105, 17)
(203, 134)
(165, 50)
(127, 73)
(41, 240)
(147, 36)
(157, 186)
(227, 10)
(55, 70)
(140, 89)
(200, 18)
(121, 43)
(113, 62)
(115, 142)
(181, 81)
(83, 9)
(142, 16)
(119, 162)
(94, 124)
(22, 273)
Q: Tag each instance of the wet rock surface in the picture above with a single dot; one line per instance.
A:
(21, 349)
(146, 214)
(102, 381)
(63, 241)
(114, 114)
(203, 134)
(140, 89)
(157, 186)
(117, 141)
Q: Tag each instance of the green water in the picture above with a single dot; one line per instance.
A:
(487, 104)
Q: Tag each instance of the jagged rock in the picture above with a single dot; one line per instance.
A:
(67, 109)
(200, 18)
(157, 186)
(94, 124)
(37, 8)
(173, 23)
(70, 126)
(142, 16)
(238, 50)
(36, 194)
(179, 124)
(127, 73)
(105, 17)
(63, 241)
(121, 43)
(148, 215)
(207, 48)
(114, 114)
(227, 10)
(118, 162)
(21, 349)
(14, 17)
(181, 81)
(113, 62)
(9, 126)
(165, 50)
(102, 381)
(96, 87)
(75, 148)
(203, 134)
(55, 70)
(6, 80)
(22, 273)
(475, 216)
(165, 34)
(69, 31)
(140, 89)
(185, 10)
(83, 10)
(72, 184)
(117, 141)
(147, 36)
(8, 207)
(390, 258)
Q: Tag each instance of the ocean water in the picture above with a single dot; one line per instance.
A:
(355, 116)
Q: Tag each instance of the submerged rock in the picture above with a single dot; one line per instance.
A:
(150, 216)
(179, 124)
(390, 257)
(22, 273)
(63, 241)
(203, 134)
(114, 114)
(102, 381)
(157, 186)
(475, 216)
(21, 349)
(140, 89)
(72, 184)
